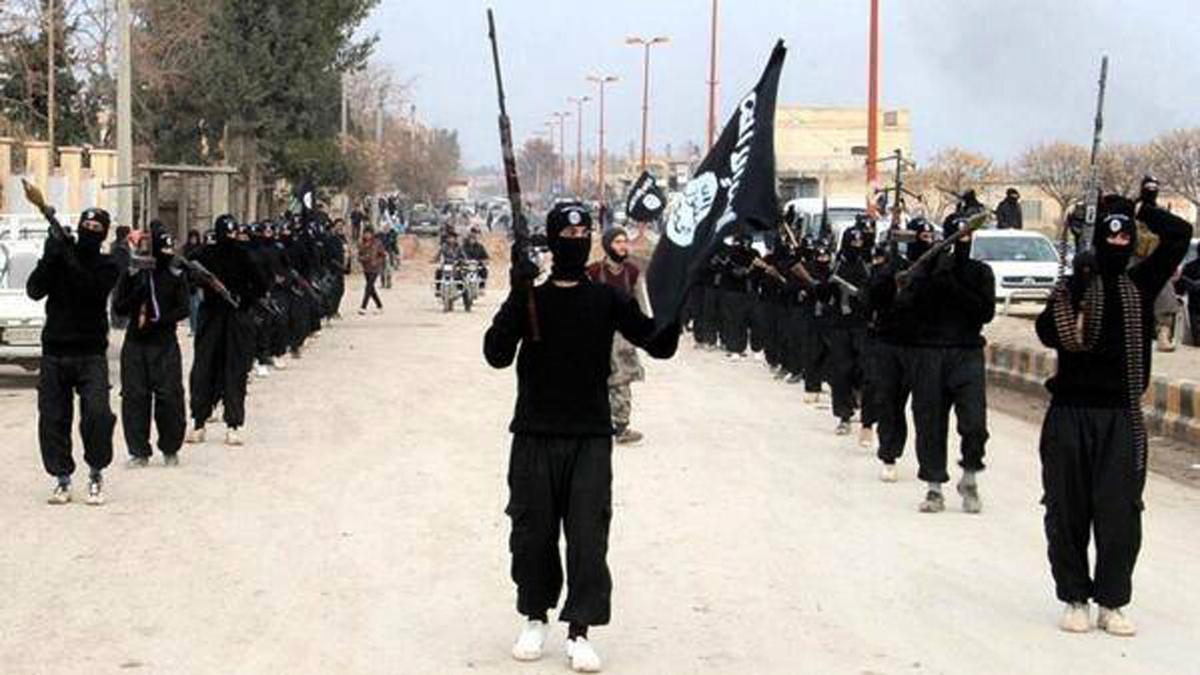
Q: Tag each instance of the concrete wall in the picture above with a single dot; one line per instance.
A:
(70, 187)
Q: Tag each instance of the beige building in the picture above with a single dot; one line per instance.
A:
(822, 150)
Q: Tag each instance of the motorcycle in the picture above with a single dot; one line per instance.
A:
(456, 280)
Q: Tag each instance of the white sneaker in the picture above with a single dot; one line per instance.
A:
(888, 473)
(95, 493)
(1113, 622)
(260, 370)
(582, 656)
(60, 496)
(528, 646)
(195, 436)
(1076, 618)
(232, 437)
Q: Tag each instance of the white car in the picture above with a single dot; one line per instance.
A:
(1024, 263)
(809, 211)
(21, 319)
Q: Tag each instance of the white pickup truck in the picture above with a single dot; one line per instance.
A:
(21, 319)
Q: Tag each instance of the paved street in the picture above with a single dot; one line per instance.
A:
(361, 530)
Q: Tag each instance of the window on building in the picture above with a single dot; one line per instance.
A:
(858, 151)
(891, 119)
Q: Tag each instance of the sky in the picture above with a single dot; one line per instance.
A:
(992, 76)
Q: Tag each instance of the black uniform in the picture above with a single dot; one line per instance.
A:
(560, 468)
(1093, 445)
(845, 327)
(954, 296)
(152, 301)
(1188, 286)
(736, 294)
(225, 337)
(75, 279)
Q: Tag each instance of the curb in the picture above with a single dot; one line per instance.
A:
(1172, 407)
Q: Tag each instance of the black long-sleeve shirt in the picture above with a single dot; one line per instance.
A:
(164, 304)
(76, 288)
(1095, 378)
(562, 380)
(230, 262)
(951, 306)
(1189, 285)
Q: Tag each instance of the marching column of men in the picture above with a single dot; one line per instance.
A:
(264, 290)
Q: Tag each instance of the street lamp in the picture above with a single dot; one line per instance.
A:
(647, 44)
(712, 79)
(578, 101)
(561, 118)
(600, 81)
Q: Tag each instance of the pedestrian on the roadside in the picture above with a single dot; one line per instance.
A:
(616, 271)
(1008, 211)
(371, 256)
(153, 301)
(1094, 439)
(122, 255)
(1188, 286)
(560, 467)
(75, 279)
(1166, 313)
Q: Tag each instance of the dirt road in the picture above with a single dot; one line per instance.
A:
(361, 530)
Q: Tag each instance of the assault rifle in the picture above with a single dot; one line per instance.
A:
(35, 197)
(976, 222)
(208, 279)
(521, 247)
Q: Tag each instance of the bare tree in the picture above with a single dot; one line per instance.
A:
(1059, 169)
(537, 163)
(1176, 157)
(954, 170)
(1123, 166)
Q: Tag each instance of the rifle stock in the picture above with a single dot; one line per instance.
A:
(976, 222)
(35, 197)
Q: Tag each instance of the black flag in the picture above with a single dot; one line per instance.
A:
(734, 184)
(646, 200)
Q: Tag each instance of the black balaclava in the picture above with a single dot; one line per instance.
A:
(916, 248)
(952, 226)
(606, 242)
(1116, 216)
(224, 228)
(162, 245)
(822, 261)
(570, 254)
(90, 241)
(854, 244)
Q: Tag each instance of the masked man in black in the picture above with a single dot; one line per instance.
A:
(1093, 445)
(560, 467)
(737, 294)
(954, 297)
(225, 339)
(894, 321)
(75, 280)
(846, 328)
(153, 301)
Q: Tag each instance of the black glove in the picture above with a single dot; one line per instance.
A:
(523, 271)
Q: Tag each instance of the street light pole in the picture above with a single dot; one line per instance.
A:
(561, 118)
(647, 44)
(50, 75)
(578, 101)
(124, 115)
(601, 80)
(712, 80)
(873, 97)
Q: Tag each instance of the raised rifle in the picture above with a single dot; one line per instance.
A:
(1092, 191)
(976, 222)
(35, 197)
(520, 226)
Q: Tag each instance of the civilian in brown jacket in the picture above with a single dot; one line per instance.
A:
(371, 256)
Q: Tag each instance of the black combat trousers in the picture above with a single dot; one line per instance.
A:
(59, 380)
(793, 333)
(709, 321)
(561, 482)
(847, 353)
(152, 385)
(762, 325)
(369, 292)
(224, 354)
(1091, 483)
(892, 366)
(945, 378)
(735, 320)
(816, 354)
(338, 292)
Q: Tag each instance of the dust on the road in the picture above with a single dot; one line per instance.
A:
(361, 530)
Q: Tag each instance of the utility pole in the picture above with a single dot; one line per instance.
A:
(873, 98)
(647, 44)
(712, 81)
(578, 101)
(124, 114)
(561, 118)
(601, 80)
(50, 86)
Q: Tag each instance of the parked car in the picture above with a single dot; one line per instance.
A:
(424, 221)
(1024, 263)
(21, 319)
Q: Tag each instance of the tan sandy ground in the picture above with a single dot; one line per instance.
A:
(361, 530)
